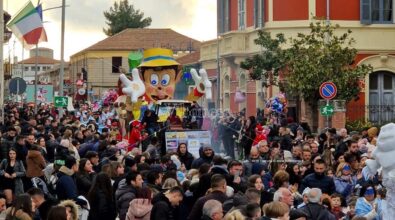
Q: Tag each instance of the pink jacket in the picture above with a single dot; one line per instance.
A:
(139, 209)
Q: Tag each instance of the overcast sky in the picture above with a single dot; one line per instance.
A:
(85, 21)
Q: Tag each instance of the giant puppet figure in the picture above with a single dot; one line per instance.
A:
(383, 157)
(156, 78)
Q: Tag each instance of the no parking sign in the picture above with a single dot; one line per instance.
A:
(328, 90)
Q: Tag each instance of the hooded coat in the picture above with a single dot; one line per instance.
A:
(202, 159)
(20, 214)
(139, 209)
(65, 186)
(124, 194)
(35, 164)
(73, 206)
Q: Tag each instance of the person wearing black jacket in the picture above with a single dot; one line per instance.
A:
(218, 190)
(101, 199)
(318, 179)
(249, 134)
(165, 204)
(206, 156)
(84, 177)
(43, 205)
(21, 149)
(7, 142)
(185, 157)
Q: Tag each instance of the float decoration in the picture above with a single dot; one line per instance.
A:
(239, 96)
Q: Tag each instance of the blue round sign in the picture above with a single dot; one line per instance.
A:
(328, 90)
(17, 85)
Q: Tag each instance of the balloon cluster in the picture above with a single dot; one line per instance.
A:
(109, 97)
(277, 104)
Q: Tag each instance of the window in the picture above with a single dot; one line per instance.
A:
(38, 68)
(242, 14)
(223, 16)
(376, 11)
(44, 68)
(26, 68)
(33, 68)
(116, 63)
(259, 6)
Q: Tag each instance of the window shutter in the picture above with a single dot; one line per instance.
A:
(227, 15)
(256, 13)
(262, 13)
(366, 11)
(220, 17)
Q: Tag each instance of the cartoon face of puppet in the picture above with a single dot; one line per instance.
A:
(160, 82)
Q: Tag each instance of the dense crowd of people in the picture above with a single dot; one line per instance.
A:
(80, 167)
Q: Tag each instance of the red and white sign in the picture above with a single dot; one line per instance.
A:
(328, 90)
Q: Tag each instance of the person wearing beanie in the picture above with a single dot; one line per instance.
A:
(66, 187)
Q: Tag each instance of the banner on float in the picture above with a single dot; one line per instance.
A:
(44, 93)
(193, 139)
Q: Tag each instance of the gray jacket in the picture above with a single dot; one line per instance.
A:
(19, 171)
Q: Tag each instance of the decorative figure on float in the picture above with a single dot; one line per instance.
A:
(155, 79)
(383, 156)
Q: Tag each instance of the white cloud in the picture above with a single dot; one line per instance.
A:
(85, 20)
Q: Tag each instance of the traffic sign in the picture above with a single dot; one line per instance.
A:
(328, 90)
(61, 101)
(327, 110)
(17, 86)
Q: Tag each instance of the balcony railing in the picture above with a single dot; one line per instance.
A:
(377, 114)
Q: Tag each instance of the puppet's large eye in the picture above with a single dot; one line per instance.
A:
(154, 79)
(165, 80)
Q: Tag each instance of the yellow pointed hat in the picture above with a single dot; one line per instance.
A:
(155, 57)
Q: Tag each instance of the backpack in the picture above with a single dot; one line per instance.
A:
(41, 184)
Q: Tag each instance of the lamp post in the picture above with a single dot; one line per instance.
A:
(61, 72)
(218, 75)
(1, 62)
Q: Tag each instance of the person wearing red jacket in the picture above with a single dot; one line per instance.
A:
(260, 134)
(134, 135)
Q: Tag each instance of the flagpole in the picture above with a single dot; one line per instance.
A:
(2, 90)
(35, 82)
(23, 55)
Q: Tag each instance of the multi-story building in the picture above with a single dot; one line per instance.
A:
(372, 24)
(101, 62)
(52, 77)
(26, 69)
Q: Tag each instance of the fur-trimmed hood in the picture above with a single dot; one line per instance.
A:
(67, 171)
(72, 205)
(20, 214)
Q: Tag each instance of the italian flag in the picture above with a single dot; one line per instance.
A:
(27, 25)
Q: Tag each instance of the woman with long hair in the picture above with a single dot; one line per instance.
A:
(84, 176)
(58, 213)
(101, 199)
(21, 209)
(12, 171)
(42, 144)
(184, 155)
(248, 135)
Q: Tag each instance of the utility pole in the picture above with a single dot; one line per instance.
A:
(61, 71)
(2, 90)
(218, 74)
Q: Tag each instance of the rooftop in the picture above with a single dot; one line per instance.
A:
(40, 60)
(133, 39)
(189, 58)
